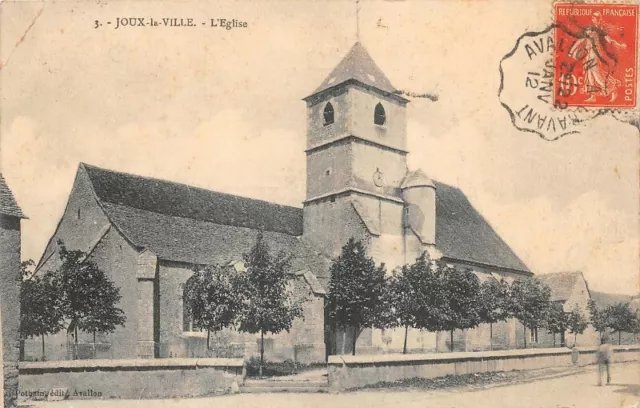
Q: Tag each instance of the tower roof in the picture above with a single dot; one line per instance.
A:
(357, 65)
(416, 178)
(8, 205)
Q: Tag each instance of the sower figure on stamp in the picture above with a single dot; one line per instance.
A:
(599, 53)
(604, 357)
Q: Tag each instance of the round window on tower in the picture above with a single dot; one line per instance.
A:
(328, 114)
(379, 116)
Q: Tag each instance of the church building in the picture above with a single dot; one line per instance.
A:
(148, 234)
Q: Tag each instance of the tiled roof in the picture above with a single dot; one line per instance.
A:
(357, 65)
(607, 299)
(8, 204)
(199, 242)
(462, 233)
(181, 200)
(193, 225)
(561, 284)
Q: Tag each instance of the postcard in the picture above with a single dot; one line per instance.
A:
(328, 203)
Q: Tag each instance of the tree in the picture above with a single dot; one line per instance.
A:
(403, 297)
(212, 299)
(620, 318)
(413, 297)
(493, 307)
(88, 297)
(40, 309)
(530, 303)
(557, 321)
(460, 290)
(598, 318)
(269, 306)
(356, 287)
(577, 322)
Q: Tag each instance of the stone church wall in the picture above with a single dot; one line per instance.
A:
(362, 106)
(329, 170)
(82, 222)
(304, 343)
(328, 225)
(318, 132)
(117, 259)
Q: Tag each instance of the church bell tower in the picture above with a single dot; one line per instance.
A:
(356, 160)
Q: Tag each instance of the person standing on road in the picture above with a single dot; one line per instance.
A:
(604, 356)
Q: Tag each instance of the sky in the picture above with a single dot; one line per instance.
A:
(222, 109)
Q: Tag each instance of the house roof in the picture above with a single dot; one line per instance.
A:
(191, 225)
(357, 65)
(462, 233)
(170, 198)
(561, 284)
(607, 299)
(8, 204)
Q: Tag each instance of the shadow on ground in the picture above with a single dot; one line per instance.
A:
(631, 389)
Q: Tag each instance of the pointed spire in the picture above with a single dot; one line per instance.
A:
(357, 65)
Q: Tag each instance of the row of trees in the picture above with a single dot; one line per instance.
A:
(258, 300)
(615, 318)
(430, 295)
(79, 296)
(436, 296)
(76, 296)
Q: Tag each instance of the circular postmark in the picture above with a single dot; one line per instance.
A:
(527, 87)
(582, 66)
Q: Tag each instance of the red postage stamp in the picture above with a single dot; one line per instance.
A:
(595, 56)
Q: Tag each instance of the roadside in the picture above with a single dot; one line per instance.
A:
(538, 391)
(479, 381)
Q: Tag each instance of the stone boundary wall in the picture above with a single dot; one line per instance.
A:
(128, 379)
(621, 354)
(346, 372)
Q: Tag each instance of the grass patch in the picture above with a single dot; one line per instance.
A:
(448, 381)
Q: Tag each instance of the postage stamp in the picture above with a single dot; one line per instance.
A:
(595, 57)
(581, 66)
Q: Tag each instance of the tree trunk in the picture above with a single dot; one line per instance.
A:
(261, 353)
(575, 339)
(344, 340)
(451, 337)
(619, 337)
(75, 349)
(355, 337)
(43, 347)
(21, 352)
(208, 337)
(554, 340)
(406, 331)
(94, 344)
(524, 331)
(490, 336)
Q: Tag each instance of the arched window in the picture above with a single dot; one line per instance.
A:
(187, 319)
(379, 117)
(328, 114)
